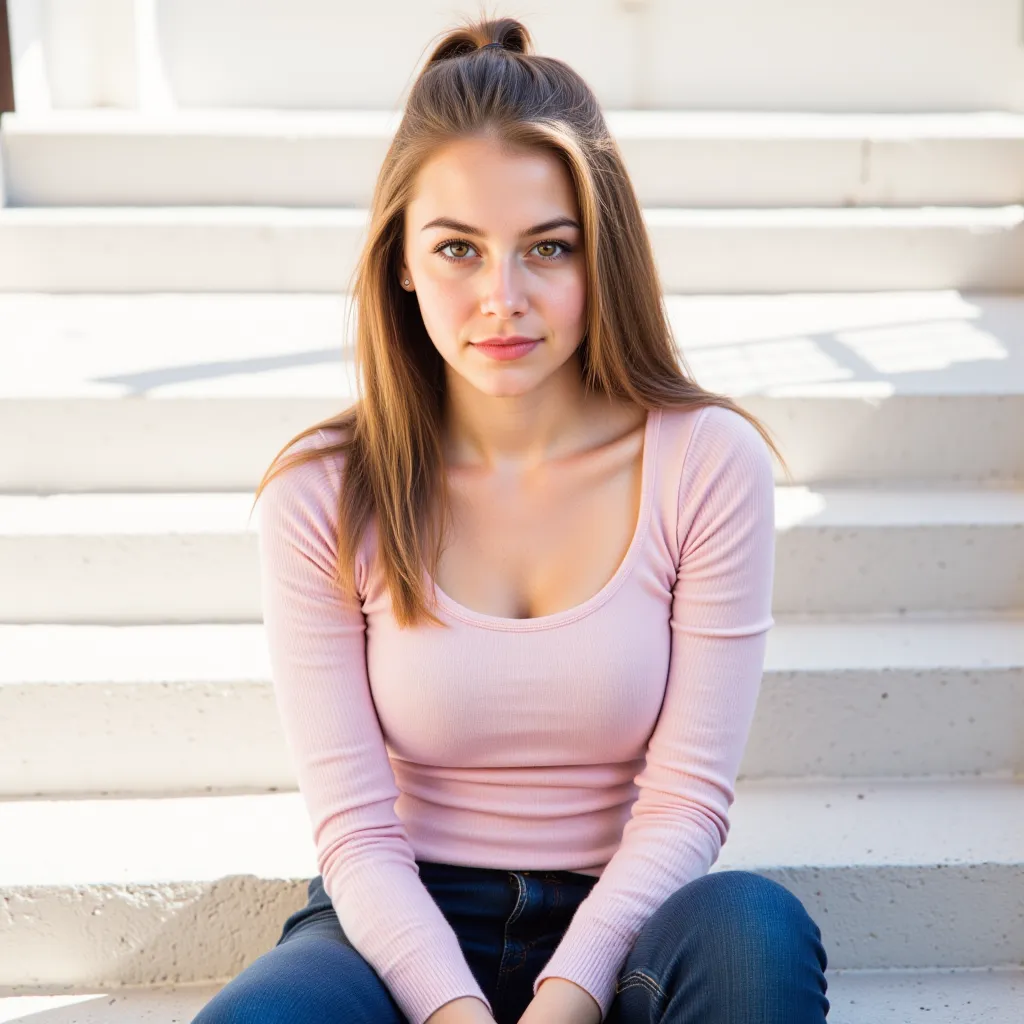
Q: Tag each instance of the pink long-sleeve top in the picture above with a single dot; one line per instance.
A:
(604, 739)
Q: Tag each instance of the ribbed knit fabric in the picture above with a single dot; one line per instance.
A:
(604, 739)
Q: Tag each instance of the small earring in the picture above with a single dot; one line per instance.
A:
(407, 280)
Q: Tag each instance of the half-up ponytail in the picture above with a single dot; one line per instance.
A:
(473, 35)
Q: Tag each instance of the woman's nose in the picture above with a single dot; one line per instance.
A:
(505, 290)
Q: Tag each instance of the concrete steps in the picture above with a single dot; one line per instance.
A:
(173, 309)
(194, 392)
(189, 889)
(318, 158)
(726, 251)
(166, 709)
(93, 557)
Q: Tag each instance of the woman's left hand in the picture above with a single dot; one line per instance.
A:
(562, 1001)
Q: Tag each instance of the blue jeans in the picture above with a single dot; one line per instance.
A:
(730, 947)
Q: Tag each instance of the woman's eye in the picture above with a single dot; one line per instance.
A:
(459, 245)
(455, 245)
(547, 245)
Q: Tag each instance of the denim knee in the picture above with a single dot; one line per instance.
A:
(757, 905)
(308, 979)
(726, 916)
(263, 1000)
(307, 1003)
(728, 946)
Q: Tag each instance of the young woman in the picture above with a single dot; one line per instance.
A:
(517, 793)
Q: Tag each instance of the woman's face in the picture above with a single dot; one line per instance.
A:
(498, 267)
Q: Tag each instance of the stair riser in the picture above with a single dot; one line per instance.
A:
(227, 443)
(188, 738)
(146, 167)
(319, 255)
(214, 577)
(900, 569)
(172, 932)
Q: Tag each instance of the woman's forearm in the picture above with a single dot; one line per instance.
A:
(464, 1010)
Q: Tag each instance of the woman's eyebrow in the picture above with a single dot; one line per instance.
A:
(457, 225)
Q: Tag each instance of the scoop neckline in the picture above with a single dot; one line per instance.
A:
(647, 472)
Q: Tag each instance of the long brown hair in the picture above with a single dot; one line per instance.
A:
(391, 443)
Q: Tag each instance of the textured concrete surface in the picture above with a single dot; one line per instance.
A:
(190, 888)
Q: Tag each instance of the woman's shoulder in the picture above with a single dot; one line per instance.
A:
(714, 431)
(304, 485)
(718, 454)
(709, 419)
(329, 442)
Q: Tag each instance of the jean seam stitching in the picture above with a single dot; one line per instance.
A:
(638, 978)
(503, 971)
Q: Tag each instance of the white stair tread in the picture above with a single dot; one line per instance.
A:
(654, 124)
(828, 823)
(976, 996)
(892, 644)
(872, 822)
(901, 343)
(207, 216)
(87, 346)
(1008, 217)
(171, 839)
(252, 121)
(173, 653)
(979, 996)
(232, 652)
(892, 506)
(156, 514)
(159, 513)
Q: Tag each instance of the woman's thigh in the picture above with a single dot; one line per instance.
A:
(311, 976)
(729, 946)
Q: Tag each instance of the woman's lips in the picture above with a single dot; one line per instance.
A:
(509, 348)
